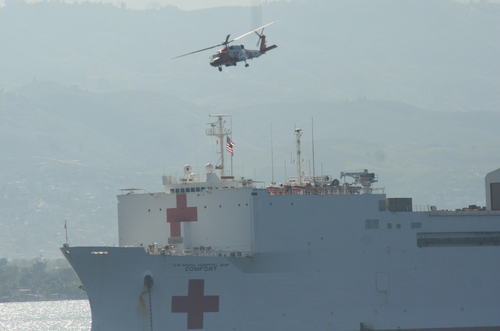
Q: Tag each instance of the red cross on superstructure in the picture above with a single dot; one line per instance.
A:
(182, 213)
(195, 304)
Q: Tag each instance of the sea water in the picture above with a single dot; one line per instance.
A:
(45, 316)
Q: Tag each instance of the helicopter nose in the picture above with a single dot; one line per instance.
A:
(216, 61)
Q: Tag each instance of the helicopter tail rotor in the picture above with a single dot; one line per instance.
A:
(260, 37)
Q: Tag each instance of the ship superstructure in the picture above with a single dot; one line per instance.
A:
(312, 254)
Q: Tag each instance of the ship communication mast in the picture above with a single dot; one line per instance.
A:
(298, 134)
(218, 130)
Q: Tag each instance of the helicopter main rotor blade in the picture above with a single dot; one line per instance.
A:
(246, 34)
(226, 42)
(200, 50)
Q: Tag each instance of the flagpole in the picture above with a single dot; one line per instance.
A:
(312, 133)
(66, 230)
(221, 136)
(232, 154)
(272, 156)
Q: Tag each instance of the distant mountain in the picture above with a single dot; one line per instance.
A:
(66, 152)
(438, 158)
(433, 54)
(91, 102)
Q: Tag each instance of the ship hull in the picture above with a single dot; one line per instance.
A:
(317, 263)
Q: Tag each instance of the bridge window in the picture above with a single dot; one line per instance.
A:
(371, 224)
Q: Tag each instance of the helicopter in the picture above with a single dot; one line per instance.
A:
(231, 55)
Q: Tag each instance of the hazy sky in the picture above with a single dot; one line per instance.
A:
(182, 4)
(188, 5)
(193, 4)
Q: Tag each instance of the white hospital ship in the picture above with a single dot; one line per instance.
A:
(314, 254)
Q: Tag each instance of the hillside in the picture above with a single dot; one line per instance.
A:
(91, 102)
(433, 54)
(66, 152)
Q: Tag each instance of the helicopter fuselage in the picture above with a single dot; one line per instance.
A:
(231, 55)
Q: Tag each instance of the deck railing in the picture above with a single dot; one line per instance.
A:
(294, 190)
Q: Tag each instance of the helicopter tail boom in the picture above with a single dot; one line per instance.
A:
(263, 51)
(263, 48)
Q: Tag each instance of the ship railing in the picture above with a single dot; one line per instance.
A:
(464, 213)
(433, 211)
(378, 190)
(196, 251)
(297, 190)
(421, 208)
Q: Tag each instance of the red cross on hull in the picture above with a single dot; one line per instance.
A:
(195, 304)
(182, 213)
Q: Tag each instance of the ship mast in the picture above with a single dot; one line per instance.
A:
(218, 130)
(298, 134)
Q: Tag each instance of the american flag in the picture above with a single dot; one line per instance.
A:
(229, 146)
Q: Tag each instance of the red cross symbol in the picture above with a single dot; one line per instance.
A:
(195, 304)
(182, 213)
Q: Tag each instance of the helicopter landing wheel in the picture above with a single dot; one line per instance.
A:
(220, 69)
(246, 65)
